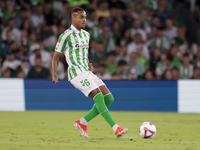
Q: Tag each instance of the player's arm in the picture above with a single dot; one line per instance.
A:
(55, 61)
(91, 67)
(60, 47)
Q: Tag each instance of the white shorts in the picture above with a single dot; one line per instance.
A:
(86, 82)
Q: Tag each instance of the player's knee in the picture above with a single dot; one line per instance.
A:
(108, 99)
(111, 98)
(99, 98)
(94, 93)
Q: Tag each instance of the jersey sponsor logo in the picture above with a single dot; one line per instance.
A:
(81, 45)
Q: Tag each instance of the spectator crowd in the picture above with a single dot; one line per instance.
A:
(129, 39)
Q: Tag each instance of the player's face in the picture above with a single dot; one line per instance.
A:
(80, 19)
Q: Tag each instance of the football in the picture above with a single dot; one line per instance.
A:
(147, 130)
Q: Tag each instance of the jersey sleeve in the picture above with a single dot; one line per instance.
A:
(61, 44)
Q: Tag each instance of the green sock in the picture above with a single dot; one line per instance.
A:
(103, 110)
(91, 114)
(108, 99)
(94, 112)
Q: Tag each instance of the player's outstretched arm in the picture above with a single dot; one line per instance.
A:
(55, 61)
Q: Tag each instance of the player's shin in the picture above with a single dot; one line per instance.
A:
(91, 114)
(103, 110)
(94, 112)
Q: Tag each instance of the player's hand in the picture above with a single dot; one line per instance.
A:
(55, 79)
(91, 67)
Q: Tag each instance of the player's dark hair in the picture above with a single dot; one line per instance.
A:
(76, 10)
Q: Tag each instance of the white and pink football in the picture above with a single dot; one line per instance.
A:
(147, 130)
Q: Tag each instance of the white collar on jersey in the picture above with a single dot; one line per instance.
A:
(74, 28)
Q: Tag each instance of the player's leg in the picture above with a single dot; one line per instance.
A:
(98, 98)
(108, 98)
(85, 82)
(92, 89)
(98, 108)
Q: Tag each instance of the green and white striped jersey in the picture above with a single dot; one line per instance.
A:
(74, 44)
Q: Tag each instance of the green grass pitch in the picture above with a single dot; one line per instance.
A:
(53, 130)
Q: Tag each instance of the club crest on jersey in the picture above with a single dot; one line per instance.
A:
(81, 45)
(57, 45)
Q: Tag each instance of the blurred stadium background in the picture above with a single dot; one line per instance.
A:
(130, 39)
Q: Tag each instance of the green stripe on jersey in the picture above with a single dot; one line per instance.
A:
(84, 50)
(63, 47)
(74, 71)
(69, 74)
(85, 37)
(87, 42)
(77, 51)
(71, 57)
(87, 34)
(70, 50)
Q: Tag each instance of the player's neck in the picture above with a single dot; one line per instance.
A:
(79, 29)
